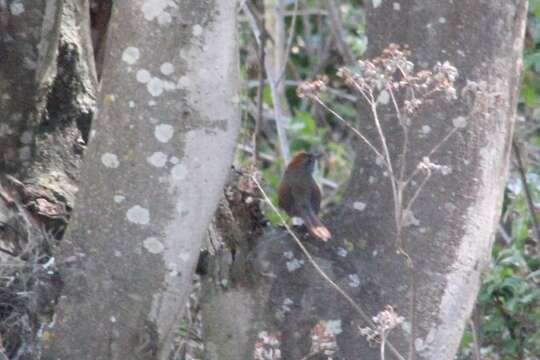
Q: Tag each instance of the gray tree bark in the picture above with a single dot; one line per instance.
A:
(452, 223)
(153, 175)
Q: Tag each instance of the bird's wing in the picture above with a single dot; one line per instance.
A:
(315, 197)
(285, 199)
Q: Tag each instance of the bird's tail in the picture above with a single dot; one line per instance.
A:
(316, 227)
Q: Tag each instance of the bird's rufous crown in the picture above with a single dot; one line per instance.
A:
(297, 160)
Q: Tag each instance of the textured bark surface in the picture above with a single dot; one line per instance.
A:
(454, 217)
(47, 101)
(48, 98)
(167, 111)
(456, 213)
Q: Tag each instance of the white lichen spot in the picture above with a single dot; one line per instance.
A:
(164, 132)
(288, 254)
(426, 129)
(5, 130)
(154, 9)
(153, 245)
(110, 160)
(236, 99)
(184, 256)
(26, 137)
(143, 76)
(377, 3)
(446, 170)
(157, 159)
(138, 215)
(419, 344)
(131, 104)
(168, 85)
(131, 55)
(379, 161)
(297, 221)
(334, 327)
(16, 8)
(354, 280)
(164, 18)
(459, 122)
(294, 264)
(372, 180)
(166, 68)
(442, 20)
(173, 269)
(117, 253)
(360, 206)
(180, 207)
(25, 153)
(342, 251)
(113, 319)
(197, 30)
(397, 6)
(152, 103)
(179, 172)
(119, 199)
(406, 327)
(183, 82)
(384, 97)
(155, 86)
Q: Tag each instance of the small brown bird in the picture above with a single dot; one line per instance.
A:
(299, 195)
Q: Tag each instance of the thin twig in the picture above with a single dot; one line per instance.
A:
(338, 93)
(528, 195)
(504, 234)
(321, 272)
(289, 43)
(260, 88)
(476, 343)
(387, 157)
(433, 151)
(338, 32)
(349, 126)
(278, 113)
(417, 193)
(383, 344)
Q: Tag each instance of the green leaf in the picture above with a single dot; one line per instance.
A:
(267, 96)
(528, 95)
(310, 127)
(531, 60)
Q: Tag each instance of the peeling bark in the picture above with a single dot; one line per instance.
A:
(47, 86)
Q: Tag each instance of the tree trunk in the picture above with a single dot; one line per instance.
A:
(153, 174)
(47, 103)
(450, 227)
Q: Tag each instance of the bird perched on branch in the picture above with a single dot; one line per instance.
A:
(299, 195)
